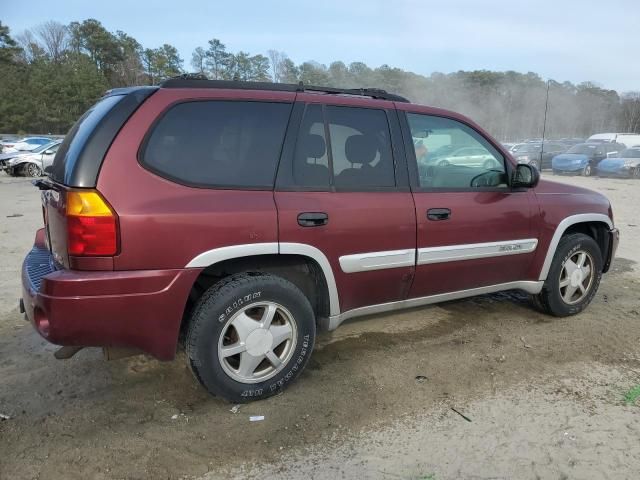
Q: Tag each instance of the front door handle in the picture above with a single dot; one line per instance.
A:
(313, 219)
(438, 214)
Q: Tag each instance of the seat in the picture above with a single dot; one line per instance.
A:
(359, 150)
(310, 146)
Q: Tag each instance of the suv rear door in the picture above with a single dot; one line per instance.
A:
(473, 230)
(342, 188)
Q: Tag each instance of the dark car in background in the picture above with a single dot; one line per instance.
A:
(539, 155)
(582, 159)
(627, 164)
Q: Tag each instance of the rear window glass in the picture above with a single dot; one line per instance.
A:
(71, 148)
(228, 144)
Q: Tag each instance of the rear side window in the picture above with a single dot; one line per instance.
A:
(228, 144)
(360, 148)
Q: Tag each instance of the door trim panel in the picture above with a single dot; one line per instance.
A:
(471, 251)
(364, 262)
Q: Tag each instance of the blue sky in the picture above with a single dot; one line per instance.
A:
(564, 40)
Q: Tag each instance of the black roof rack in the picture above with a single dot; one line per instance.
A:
(198, 81)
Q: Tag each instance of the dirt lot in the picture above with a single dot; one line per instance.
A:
(544, 396)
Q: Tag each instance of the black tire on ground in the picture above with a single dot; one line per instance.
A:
(550, 300)
(210, 319)
(636, 172)
(535, 164)
(587, 171)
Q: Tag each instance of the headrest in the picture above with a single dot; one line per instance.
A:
(361, 149)
(313, 146)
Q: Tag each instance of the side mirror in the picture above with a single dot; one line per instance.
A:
(49, 152)
(525, 176)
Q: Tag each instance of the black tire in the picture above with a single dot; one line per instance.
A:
(535, 164)
(587, 171)
(209, 320)
(550, 300)
(636, 173)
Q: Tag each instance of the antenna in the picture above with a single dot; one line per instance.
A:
(544, 125)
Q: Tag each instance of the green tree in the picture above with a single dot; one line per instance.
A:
(217, 60)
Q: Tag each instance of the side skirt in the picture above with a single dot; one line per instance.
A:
(527, 286)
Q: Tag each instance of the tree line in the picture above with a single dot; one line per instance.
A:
(51, 74)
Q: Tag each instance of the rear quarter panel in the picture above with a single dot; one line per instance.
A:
(165, 224)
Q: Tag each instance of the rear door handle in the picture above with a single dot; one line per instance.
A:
(313, 219)
(436, 214)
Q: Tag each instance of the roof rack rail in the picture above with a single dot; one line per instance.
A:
(200, 81)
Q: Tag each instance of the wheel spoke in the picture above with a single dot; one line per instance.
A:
(244, 325)
(581, 259)
(570, 267)
(280, 334)
(234, 349)
(267, 316)
(586, 271)
(248, 364)
(564, 282)
(568, 293)
(581, 288)
(273, 358)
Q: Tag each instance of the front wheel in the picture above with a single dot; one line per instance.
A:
(33, 170)
(250, 336)
(587, 171)
(573, 278)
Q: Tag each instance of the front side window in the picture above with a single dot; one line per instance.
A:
(451, 155)
(228, 144)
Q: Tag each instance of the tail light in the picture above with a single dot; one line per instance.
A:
(91, 225)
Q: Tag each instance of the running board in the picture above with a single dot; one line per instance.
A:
(527, 286)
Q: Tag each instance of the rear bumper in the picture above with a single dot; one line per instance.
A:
(135, 309)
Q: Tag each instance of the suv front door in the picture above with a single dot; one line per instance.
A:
(473, 229)
(342, 191)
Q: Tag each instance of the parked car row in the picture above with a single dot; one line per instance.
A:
(605, 154)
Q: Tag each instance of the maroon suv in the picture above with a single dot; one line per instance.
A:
(244, 217)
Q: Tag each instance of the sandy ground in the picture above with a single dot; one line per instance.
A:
(544, 395)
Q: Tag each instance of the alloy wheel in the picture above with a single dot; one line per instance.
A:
(576, 277)
(33, 170)
(257, 342)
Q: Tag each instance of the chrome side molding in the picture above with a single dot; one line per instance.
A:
(471, 251)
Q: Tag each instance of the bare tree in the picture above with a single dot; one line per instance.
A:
(54, 37)
(631, 112)
(31, 48)
(277, 60)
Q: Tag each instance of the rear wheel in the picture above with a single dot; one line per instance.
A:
(587, 171)
(573, 278)
(32, 170)
(635, 173)
(250, 336)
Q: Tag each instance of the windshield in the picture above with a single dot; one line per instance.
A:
(43, 147)
(529, 148)
(631, 153)
(584, 149)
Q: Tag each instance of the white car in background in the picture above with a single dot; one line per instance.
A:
(33, 164)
